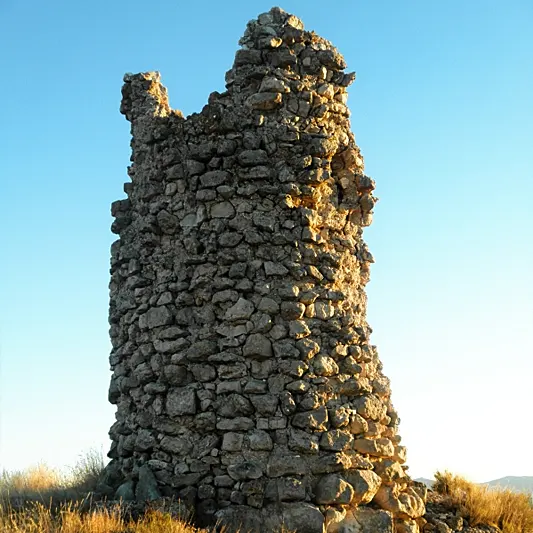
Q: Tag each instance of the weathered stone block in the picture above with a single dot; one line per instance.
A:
(258, 346)
(181, 401)
(283, 465)
(365, 484)
(245, 470)
(332, 489)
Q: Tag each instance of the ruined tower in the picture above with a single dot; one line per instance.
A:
(243, 373)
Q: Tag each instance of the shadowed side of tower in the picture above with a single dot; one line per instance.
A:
(243, 373)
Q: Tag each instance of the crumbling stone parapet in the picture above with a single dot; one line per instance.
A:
(244, 377)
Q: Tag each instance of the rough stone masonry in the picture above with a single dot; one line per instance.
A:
(244, 377)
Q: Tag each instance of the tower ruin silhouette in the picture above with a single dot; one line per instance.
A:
(244, 377)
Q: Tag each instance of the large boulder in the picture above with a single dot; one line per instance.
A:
(407, 504)
(333, 489)
(363, 520)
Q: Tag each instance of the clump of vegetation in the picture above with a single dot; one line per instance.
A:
(510, 511)
(42, 500)
(70, 518)
(41, 483)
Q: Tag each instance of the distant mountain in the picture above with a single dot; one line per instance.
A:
(516, 483)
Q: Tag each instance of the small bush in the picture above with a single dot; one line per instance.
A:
(84, 475)
(512, 512)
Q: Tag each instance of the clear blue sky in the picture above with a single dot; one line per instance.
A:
(443, 111)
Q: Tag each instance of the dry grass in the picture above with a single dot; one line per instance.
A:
(37, 518)
(41, 483)
(33, 481)
(510, 511)
(41, 500)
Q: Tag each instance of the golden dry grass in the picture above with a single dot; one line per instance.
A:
(510, 511)
(37, 518)
(41, 500)
(34, 480)
(42, 483)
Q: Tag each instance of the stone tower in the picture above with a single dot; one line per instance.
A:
(243, 373)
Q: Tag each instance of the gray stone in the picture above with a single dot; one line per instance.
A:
(145, 441)
(167, 222)
(298, 329)
(273, 85)
(147, 485)
(375, 447)
(180, 446)
(126, 491)
(233, 406)
(264, 221)
(365, 484)
(255, 386)
(268, 305)
(258, 346)
(155, 317)
(292, 310)
(325, 366)
(265, 101)
(175, 375)
(245, 470)
(303, 518)
(203, 373)
(260, 441)
(201, 350)
(289, 489)
(232, 442)
(214, 178)
(303, 442)
(231, 371)
(225, 387)
(274, 269)
(333, 462)
(323, 310)
(335, 440)
(315, 420)
(332, 489)
(365, 520)
(308, 348)
(239, 518)
(283, 465)
(181, 401)
(251, 158)
(370, 407)
(240, 423)
(241, 310)
(194, 167)
(403, 504)
(265, 404)
(286, 348)
(222, 210)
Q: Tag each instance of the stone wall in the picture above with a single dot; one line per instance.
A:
(243, 373)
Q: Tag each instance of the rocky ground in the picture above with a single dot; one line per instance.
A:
(442, 517)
